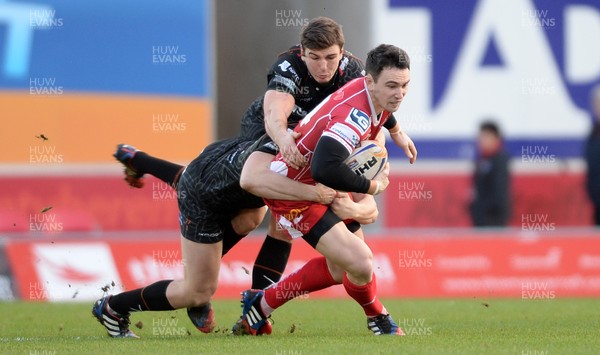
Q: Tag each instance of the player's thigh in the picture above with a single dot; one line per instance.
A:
(360, 234)
(343, 248)
(248, 219)
(202, 233)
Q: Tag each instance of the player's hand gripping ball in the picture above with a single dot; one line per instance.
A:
(368, 159)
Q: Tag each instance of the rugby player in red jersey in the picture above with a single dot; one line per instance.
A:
(327, 136)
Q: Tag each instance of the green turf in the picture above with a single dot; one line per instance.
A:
(468, 326)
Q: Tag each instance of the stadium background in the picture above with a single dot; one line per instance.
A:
(78, 78)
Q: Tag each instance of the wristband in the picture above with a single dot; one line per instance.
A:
(377, 187)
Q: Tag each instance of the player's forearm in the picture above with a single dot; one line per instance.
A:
(396, 139)
(395, 131)
(278, 187)
(361, 208)
(366, 209)
(277, 106)
(258, 179)
(275, 125)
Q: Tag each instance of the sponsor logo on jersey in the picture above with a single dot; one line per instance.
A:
(360, 120)
(338, 95)
(283, 84)
(299, 111)
(344, 62)
(285, 65)
(295, 214)
(347, 134)
(296, 76)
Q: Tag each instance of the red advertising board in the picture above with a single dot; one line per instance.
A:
(423, 200)
(521, 265)
(442, 200)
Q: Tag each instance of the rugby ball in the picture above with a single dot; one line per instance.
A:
(368, 159)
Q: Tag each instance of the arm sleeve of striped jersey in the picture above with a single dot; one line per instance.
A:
(390, 122)
(328, 168)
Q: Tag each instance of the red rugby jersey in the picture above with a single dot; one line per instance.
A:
(347, 116)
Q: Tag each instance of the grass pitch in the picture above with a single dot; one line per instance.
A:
(312, 326)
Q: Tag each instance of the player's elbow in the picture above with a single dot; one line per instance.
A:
(255, 166)
(248, 182)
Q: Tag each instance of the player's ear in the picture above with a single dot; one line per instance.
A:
(302, 54)
(370, 81)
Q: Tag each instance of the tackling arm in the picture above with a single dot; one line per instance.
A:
(278, 107)
(361, 207)
(258, 179)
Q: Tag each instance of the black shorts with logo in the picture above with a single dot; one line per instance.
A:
(209, 192)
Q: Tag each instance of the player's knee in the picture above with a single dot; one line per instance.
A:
(362, 265)
(256, 219)
(247, 222)
(244, 227)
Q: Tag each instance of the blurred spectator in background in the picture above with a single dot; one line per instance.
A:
(592, 156)
(491, 180)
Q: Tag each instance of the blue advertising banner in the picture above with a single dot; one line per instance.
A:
(529, 65)
(148, 47)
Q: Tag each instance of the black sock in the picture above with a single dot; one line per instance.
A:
(162, 169)
(270, 262)
(230, 239)
(150, 298)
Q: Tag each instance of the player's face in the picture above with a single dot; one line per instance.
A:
(390, 88)
(322, 63)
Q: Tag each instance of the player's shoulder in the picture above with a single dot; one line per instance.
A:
(289, 64)
(292, 56)
(351, 92)
(351, 104)
(352, 59)
(351, 63)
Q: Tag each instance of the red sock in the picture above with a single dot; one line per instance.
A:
(313, 276)
(365, 295)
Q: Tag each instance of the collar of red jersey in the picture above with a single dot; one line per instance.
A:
(374, 117)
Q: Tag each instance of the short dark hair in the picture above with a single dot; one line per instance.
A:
(321, 33)
(386, 56)
(490, 126)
